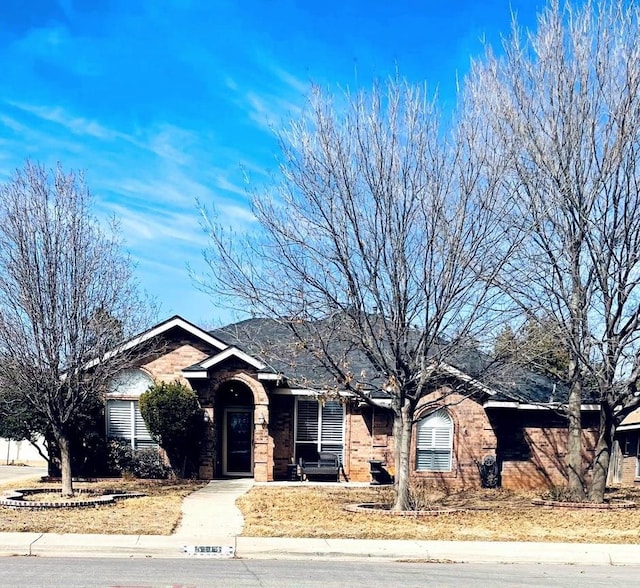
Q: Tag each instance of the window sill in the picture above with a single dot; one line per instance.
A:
(434, 473)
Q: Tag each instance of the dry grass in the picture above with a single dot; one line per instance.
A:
(316, 511)
(158, 513)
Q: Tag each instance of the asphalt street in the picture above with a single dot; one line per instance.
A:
(151, 573)
(11, 473)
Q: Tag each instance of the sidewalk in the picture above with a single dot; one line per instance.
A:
(143, 546)
(211, 524)
(9, 473)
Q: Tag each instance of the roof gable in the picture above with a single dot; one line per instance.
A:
(173, 323)
(200, 369)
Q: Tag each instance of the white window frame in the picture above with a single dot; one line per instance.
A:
(125, 388)
(129, 383)
(638, 456)
(434, 437)
(137, 433)
(320, 443)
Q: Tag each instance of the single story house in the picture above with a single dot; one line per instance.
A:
(625, 455)
(259, 422)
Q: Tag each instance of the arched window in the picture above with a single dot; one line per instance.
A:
(129, 383)
(434, 442)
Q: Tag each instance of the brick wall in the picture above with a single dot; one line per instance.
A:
(473, 438)
(368, 435)
(629, 445)
(532, 447)
(175, 356)
(281, 428)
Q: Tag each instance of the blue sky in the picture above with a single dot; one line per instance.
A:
(163, 102)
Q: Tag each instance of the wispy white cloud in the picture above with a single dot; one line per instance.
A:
(230, 83)
(238, 217)
(225, 184)
(76, 125)
(167, 141)
(269, 111)
(172, 143)
(290, 81)
(55, 44)
(159, 225)
(12, 123)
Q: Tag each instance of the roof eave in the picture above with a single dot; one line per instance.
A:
(535, 406)
(174, 321)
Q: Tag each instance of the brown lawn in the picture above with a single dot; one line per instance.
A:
(158, 513)
(316, 511)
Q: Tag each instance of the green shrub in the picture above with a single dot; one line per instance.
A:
(146, 463)
(119, 456)
(20, 422)
(175, 420)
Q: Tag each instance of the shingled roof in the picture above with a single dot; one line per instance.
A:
(274, 343)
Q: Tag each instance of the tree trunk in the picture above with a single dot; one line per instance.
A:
(575, 477)
(65, 463)
(602, 457)
(53, 463)
(402, 426)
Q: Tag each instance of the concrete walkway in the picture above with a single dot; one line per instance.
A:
(211, 512)
(211, 524)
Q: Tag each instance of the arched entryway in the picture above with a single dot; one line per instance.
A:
(235, 413)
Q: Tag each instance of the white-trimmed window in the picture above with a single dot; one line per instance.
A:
(319, 427)
(124, 421)
(638, 457)
(129, 383)
(123, 417)
(434, 445)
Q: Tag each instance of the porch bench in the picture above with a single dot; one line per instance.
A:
(328, 465)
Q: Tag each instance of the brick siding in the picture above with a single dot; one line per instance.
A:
(530, 445)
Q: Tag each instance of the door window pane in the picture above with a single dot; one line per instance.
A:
(239, 432)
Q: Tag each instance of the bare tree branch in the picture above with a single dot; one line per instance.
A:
(67, 296)
(564, 103)
(379, 242)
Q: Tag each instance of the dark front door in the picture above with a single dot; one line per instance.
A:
(238, 442)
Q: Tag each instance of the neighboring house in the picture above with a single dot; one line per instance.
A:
(259, 422)
(625, 455)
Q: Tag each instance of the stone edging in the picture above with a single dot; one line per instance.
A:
(383, 509)
(13, 499)
(586, 505)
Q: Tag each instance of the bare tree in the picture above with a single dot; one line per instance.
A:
(372, 246)
(563, 105)
(66, 297)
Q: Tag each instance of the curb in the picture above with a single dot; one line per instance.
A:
(138, 546)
